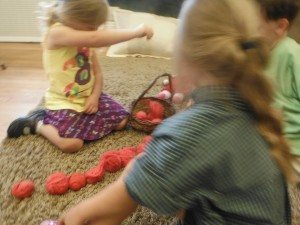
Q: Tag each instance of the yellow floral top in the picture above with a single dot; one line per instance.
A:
(71, 77)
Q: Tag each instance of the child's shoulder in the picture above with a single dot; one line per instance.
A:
(55, 32)
(288, 46)
(292, 44)
(287, 51)
(58, 28)
(293, 48)
(200, 118)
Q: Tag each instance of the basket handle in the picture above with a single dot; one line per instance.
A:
(152, 84)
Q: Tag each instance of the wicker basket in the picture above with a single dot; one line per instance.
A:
(142, 104)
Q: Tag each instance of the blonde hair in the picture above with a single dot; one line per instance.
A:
(222, 37)
(92, 12)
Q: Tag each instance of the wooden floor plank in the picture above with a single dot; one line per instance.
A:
(22, 84)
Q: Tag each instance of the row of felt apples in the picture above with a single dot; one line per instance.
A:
(59, 183)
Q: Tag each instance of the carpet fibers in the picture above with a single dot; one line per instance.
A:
(33, 157)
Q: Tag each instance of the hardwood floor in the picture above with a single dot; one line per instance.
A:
(22, 83)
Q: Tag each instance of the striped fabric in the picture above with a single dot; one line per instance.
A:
(211, 161)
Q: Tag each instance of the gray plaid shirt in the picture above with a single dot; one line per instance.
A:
(211, 161)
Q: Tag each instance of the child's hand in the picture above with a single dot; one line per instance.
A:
(144, 30)
(190, 103)
(91, 105)
(72, 217)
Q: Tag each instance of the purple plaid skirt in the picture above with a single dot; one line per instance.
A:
(71, 124)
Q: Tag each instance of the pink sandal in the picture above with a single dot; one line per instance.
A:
(49, 222)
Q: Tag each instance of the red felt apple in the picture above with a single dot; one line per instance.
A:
(23, 189)
(57, 183)
(95, 174)
(77, 181)
(111, 161)
(157, 110)
(147, 139)
(127, 154)
(150, 116)
(141, 115)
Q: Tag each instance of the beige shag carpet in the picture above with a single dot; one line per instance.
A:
(33, 157)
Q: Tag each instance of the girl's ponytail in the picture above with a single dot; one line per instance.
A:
(52, 15)
(47, 14)
(257, 91)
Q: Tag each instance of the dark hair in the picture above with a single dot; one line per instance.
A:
(278, 9)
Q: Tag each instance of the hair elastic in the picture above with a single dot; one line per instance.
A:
(246, 45)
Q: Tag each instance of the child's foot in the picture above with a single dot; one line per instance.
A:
(128, 127)
(25, 125)
(122, 125)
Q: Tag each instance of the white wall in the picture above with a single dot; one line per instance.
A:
(18, 22)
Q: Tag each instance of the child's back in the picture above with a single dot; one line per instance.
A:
(216, 161)
(71, 77)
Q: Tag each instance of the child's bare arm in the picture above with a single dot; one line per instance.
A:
(110, 206)
(92, 102)
(98, 75)
(65, 36)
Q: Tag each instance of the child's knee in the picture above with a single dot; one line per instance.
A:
(70, 146)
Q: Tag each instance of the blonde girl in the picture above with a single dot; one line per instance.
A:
(77, 110)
